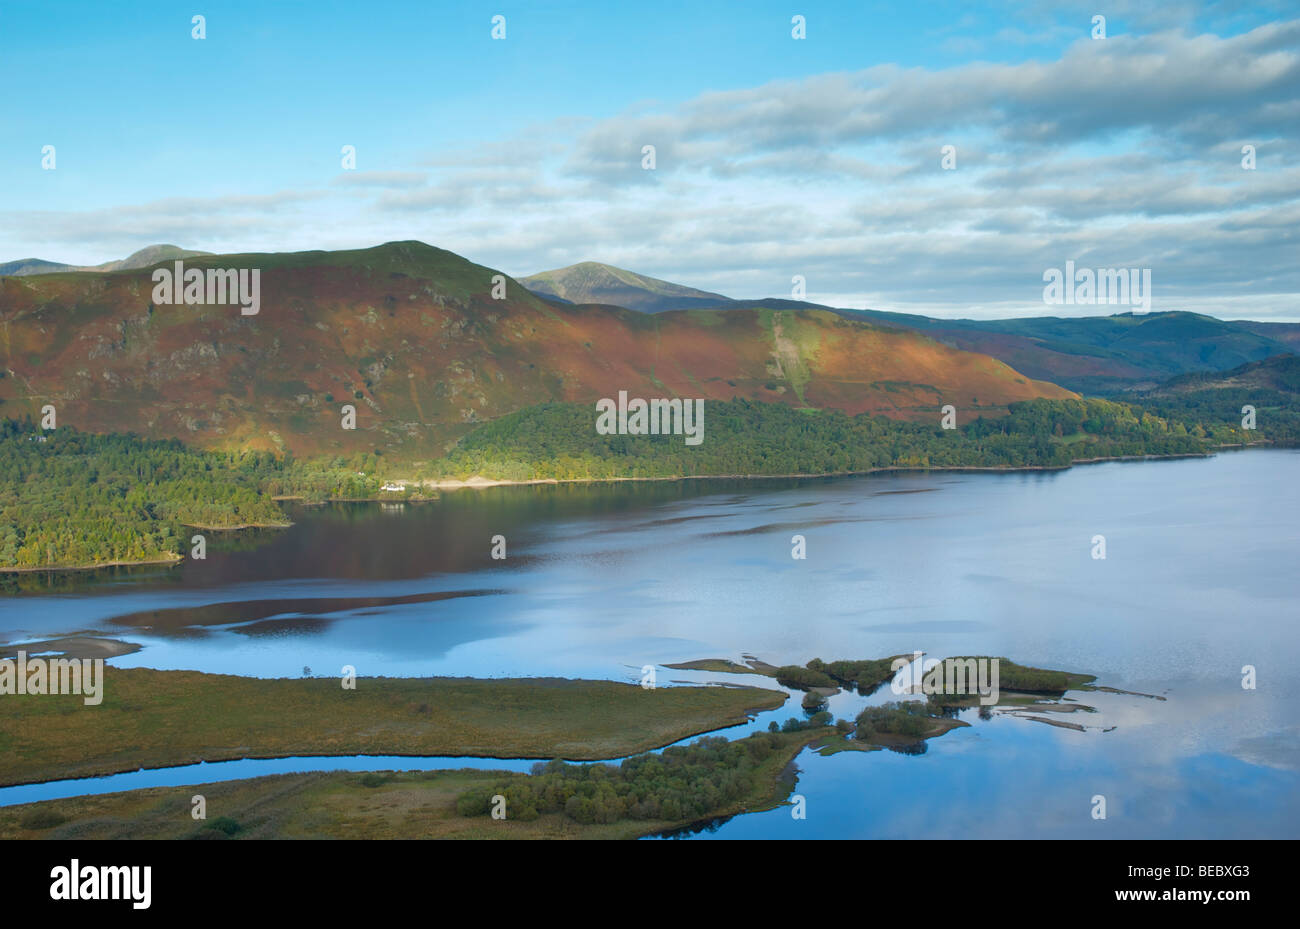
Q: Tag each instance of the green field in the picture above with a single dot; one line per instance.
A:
(161, 718)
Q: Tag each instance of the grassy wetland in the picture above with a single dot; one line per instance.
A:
(159, 718)
(162, 718)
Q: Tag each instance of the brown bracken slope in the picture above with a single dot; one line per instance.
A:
(412, 337)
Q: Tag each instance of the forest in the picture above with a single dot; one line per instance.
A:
(75, 499)
(679, 784)
(70, 498)
(742, 437)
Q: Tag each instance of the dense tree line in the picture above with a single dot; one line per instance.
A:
(1011, 677)
(863, 676)
(70, 498)
(680, 784)
(815, 721)
(1216, 414)
(913, 718)
(559, 441)
(792, 675)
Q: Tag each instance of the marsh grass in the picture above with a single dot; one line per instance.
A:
(161, 718)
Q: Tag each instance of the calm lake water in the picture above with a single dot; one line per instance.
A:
(1200, 579)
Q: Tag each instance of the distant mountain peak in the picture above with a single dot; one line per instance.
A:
(142, 258)
(25, 266)
(596, 282)
(150, 255)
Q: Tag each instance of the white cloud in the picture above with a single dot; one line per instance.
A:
(1119, 153)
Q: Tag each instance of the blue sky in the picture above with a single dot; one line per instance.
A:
(776, 157)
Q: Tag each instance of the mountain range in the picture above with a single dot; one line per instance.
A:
(1101, 355)
(144, 258)
(1280, 374)
(412, 337)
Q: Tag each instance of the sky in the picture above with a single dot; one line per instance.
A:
(776, 157)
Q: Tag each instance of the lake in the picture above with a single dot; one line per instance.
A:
(1199, 580)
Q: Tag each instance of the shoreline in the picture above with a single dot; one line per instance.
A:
(478, 483)
(482, 483)
(238, 528)
(172, 561)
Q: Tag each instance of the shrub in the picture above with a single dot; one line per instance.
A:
(792, 675)
(475, 802)
(910, 718)
(224, 825)
(42, 818)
